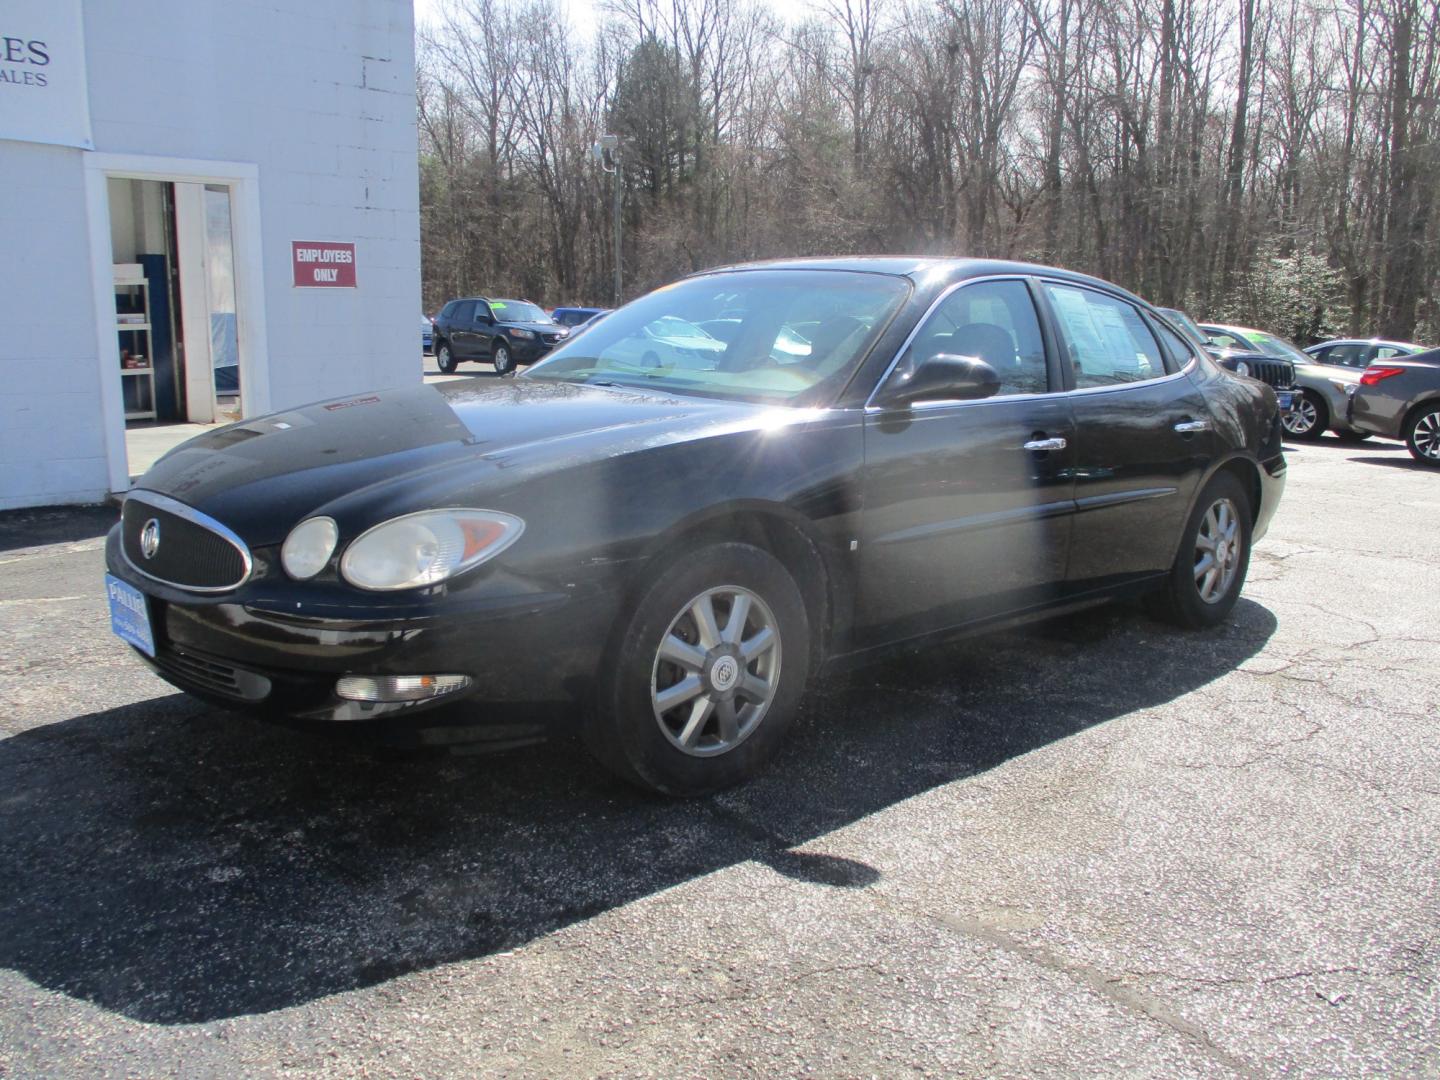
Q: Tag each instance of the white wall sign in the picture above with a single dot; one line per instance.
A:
(43, 97)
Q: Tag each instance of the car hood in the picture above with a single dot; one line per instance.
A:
(347, 455)
(534, 327)
(1334, 373)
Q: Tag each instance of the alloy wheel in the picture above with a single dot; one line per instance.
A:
(1302, 417)
(1426, 436)
(716, 671)
(1217, 551)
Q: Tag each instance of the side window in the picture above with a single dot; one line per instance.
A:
(464, 311)
(1108, 341)
(1178, 351)
(1223, 339)
(1387, 352)
(993, 321)
(448, 311)
(1347, 355)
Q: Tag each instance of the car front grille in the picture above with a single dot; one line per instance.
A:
(551, 339)
(213, 674)
(186, 548)
(1278, 373)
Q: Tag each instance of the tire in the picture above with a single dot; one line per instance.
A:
(1309, 417)
(1422, 434)
(1194, 601)
(444, 358)
(502, 358)
(725, 713)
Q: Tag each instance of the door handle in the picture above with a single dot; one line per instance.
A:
(1041, 445)
(1189, 427)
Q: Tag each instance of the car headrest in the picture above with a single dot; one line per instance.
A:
(984, 341)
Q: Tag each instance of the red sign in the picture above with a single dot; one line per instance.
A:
(321, 264)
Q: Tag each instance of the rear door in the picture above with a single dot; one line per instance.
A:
(1143, 435)
(462, 333)
(967, 504)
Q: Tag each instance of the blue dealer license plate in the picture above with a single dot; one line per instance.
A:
(1285, 399)
(129, 614)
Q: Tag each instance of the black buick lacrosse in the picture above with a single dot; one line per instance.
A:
(680, 516)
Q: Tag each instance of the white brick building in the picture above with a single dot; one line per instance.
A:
(223, 131)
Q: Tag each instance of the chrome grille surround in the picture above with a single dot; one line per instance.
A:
(133, 524)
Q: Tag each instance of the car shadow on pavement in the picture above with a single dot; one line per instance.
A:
(1406, 462)
(179, 864)
(54, 525)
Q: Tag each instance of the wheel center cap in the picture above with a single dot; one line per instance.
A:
(724, 674)
(1222, 552)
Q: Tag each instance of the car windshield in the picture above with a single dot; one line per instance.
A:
(518, 311)
(1271, 345)
(781, 336)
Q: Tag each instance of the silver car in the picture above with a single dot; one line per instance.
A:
(1399, 398)
(1360, 353)
(1324, 389)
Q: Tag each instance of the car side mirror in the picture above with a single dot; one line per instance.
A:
(484, 317)
(944, 377)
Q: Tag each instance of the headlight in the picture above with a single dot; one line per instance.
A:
(1242, 368)
(526, 334)
(308, 547)
(426, 548)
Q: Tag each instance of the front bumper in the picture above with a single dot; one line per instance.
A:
(524, 649)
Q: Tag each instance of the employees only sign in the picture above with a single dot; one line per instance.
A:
(322, 264)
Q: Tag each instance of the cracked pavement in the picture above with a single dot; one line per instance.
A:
(1096, 845)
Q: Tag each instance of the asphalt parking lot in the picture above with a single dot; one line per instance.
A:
(1093, 846)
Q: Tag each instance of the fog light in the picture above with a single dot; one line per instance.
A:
(399, 687)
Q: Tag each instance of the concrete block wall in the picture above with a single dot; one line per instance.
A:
(52, 447)
(319, 94)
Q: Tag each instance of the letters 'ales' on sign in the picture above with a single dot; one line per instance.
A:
(43, 97)
(323, 264)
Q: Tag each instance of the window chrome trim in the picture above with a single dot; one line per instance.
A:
(920, 323)
(195, 517)
(1169, 376)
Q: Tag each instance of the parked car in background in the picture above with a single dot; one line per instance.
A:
(1354, 353)
(1274, 372)
(427, 333)
(575, 316)
(670, 552)
(1322, 391)
(504, 332)
(1399, 398)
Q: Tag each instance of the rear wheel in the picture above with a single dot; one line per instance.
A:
(503, 360)
(702, 684)
(1308, 418)
(1214, 556)
(1422, 435)
(444, 358)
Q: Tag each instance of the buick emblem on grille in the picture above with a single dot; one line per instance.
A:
(150, 538)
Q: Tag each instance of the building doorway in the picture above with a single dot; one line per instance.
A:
(179, 268)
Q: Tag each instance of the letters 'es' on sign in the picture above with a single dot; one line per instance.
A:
(323, 264)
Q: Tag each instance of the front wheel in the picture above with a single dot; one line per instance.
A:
(444, 358)
(1308, 418)
(1422, 435)
(703, 681)
(1214, 556)
(503, 360)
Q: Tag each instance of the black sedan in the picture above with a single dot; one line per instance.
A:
(883, 451)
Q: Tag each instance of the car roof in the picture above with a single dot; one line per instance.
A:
(920, 266)
(1367, 341)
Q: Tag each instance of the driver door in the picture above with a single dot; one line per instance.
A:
(968, 505)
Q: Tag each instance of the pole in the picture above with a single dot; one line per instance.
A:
(616, 216)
